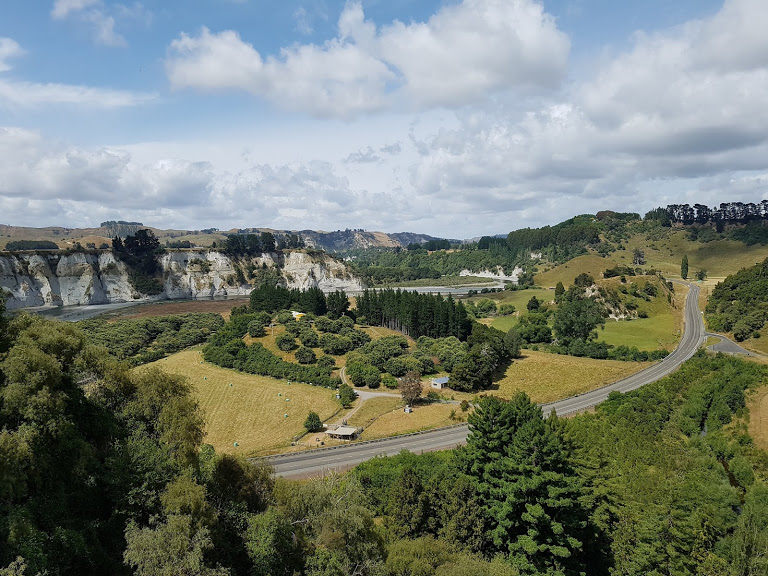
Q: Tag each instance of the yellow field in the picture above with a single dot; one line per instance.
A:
(757, 403)
(372, 409)
(548, 377)
(591, 264)
(250, 412)
(719, 258)
(422, 418)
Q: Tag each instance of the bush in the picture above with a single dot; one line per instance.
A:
(389, 381)
(309, 338)
(285, 342)
(326, 362)
(364, 375)
(313, 422)
(305, 355)
(256, 329)
(346, 395)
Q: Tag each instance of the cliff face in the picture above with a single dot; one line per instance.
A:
(82, 279)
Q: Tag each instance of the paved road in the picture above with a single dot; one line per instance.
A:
(728, 346)
(316, 462)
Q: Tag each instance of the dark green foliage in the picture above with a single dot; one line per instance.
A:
(31, 245)
(313, 422)
(560, 290)
(148, 339)
(526, 487)
(487, 349)
(285, 342)
(533, 304)
(619, 271)
(739, 304)
(534, 328)
(305, 355)
(684, 267)
(363, 375)
(140, 253)
(583, 280)
(338, 303)
(577, 317)
(414, 314)
(346, 395)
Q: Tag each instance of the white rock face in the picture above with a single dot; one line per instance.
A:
(82, 279)
(498, 274)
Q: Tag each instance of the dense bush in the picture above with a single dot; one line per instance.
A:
(147, 339)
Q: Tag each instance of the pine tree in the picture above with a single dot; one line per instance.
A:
(684, 268)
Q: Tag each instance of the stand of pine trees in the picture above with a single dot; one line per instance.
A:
(415, 314)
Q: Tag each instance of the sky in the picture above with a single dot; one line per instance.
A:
(456, 118)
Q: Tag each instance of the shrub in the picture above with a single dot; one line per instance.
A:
(256, 329)
(389, 381)
(285, 342)
(305, 355)
(309, 338)
(326, 362)
(313, 422)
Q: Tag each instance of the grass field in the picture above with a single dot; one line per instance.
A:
(661, 329)
(519, 298)
(548, 377)
(372, 409)
(591, 264)
(251, 411)
(719, 257)
(223, 307)
(422, 418)
(757, 403)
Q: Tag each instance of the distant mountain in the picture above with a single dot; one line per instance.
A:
(337, 241)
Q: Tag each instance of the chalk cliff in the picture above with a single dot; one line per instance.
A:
(55, 279)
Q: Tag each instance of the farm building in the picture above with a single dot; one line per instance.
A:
(440, 383)
(343, 432)
(297, 315)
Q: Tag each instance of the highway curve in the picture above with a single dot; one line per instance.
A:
(316, 462)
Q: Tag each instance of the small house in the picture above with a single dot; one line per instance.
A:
(440, 383)
(297, 315)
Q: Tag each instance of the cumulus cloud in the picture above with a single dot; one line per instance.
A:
(681, 110)
(9, 48)
(63, 8)
(490, 45)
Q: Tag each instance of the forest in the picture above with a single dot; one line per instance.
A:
(738, 303)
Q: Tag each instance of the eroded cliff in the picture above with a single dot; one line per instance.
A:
(55, 279)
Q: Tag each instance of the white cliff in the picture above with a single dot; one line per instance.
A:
(51, 279)
(497, 274)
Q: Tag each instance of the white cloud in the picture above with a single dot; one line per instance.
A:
(102, 19)
(63, 8)
(9, 48)
(490, 45)
(19, 94)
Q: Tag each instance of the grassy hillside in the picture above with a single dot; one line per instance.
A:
(252, 410)
(592, 264)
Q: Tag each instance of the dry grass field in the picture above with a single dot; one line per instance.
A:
(548, 377)
(422, 418)
(591, 264)
(252, 410)
(757, 403)
(372, 409)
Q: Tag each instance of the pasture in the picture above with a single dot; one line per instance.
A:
(252, 410)
(549, 377)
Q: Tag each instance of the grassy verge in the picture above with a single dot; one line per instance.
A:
(422, 418)
(757, 403)
(252, 410)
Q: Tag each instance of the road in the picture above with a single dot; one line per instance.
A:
(317, 462)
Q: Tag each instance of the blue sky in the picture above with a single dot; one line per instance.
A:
(455, 118)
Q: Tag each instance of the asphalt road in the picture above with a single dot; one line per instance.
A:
(316, 462)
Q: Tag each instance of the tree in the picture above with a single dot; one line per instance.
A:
(346, 395)
(559, 291)
(638, 257)
(583, 280)
(577, 317)
(526, 488)
(338, 303)
(533, 304)
(701, 274)
(513, 342)
(684, 267)
(410, 387)
(313, 422)
(285, 342)
(305, 355)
